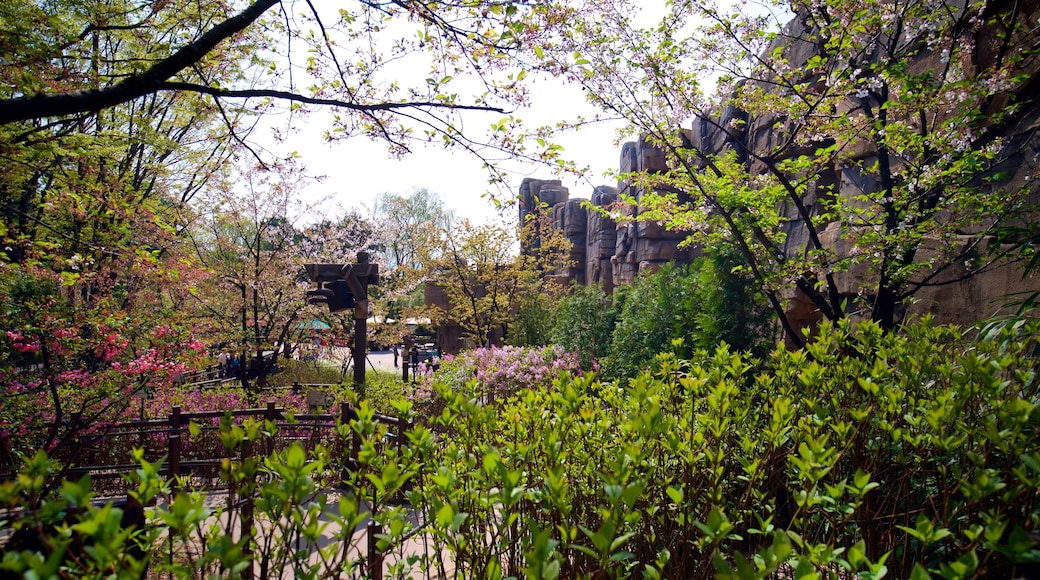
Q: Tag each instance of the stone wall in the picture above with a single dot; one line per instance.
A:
(600, 241)
(605, 252)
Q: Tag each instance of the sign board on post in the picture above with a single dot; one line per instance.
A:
(335, 282)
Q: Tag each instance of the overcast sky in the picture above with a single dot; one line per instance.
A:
(357, 170)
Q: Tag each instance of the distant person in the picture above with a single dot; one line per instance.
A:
(222, 361)
(236, 366)
(415, 361)
(395, 356)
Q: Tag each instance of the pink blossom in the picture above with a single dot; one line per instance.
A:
(499, 371)
(21, 344)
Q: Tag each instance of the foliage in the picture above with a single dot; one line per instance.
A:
(483, 278)
(384, 391)
(295, 371)
(254, 247)
(490, 287)
(226, 398)
(865, 454)
(408, 236)
(533, 322)
(91, 536)
(93, 277)
(584, 322)
(61, 361)
(857, 157)
(280, 514)
(681, 309)
(407, 226)
(732, 309)
(115, 116)
(268, 54)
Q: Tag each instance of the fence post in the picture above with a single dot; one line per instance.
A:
(402, 428)
(375, 558)
(73, 427)
(271, 415)
(174, 445)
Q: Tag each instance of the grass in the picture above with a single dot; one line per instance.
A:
(382, 387)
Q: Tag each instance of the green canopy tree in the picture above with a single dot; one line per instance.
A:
(92, 270)
(408, 232)
(486, 279)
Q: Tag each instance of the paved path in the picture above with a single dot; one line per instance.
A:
(383, 360)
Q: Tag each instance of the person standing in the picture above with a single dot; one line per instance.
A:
(396, 352)
(236, 365)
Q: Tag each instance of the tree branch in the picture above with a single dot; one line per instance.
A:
(298, 98)
(149, 81)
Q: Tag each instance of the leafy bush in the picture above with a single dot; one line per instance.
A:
(296, 371)
(658, 309)
(532, 323)
(732, 310)
(678, 309)
(291, 511)
(865, 454)
(61, 365)
(383, 389)
(585, 322)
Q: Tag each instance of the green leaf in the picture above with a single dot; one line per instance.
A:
(445, 515)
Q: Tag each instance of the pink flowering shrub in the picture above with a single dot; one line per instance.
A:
(87, 376)
(496, 372)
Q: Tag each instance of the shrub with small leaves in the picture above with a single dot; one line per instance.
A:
(867, 454)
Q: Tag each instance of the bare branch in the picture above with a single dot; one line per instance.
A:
(298, 98)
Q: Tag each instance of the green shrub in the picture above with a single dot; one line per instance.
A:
(296, 371)
(532, 324)
(865, 454)
(680, 309)
(731, 309)
(384, 390)
(585, 322)
(290, 512)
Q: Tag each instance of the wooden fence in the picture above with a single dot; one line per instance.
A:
(105, 452)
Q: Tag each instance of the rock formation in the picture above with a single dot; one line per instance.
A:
(600, 241)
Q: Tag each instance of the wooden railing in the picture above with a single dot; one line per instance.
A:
(105, 452)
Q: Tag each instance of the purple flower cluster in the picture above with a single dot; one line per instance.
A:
(192, 400)
(499, 371)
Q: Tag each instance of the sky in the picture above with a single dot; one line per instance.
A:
(357, 170)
